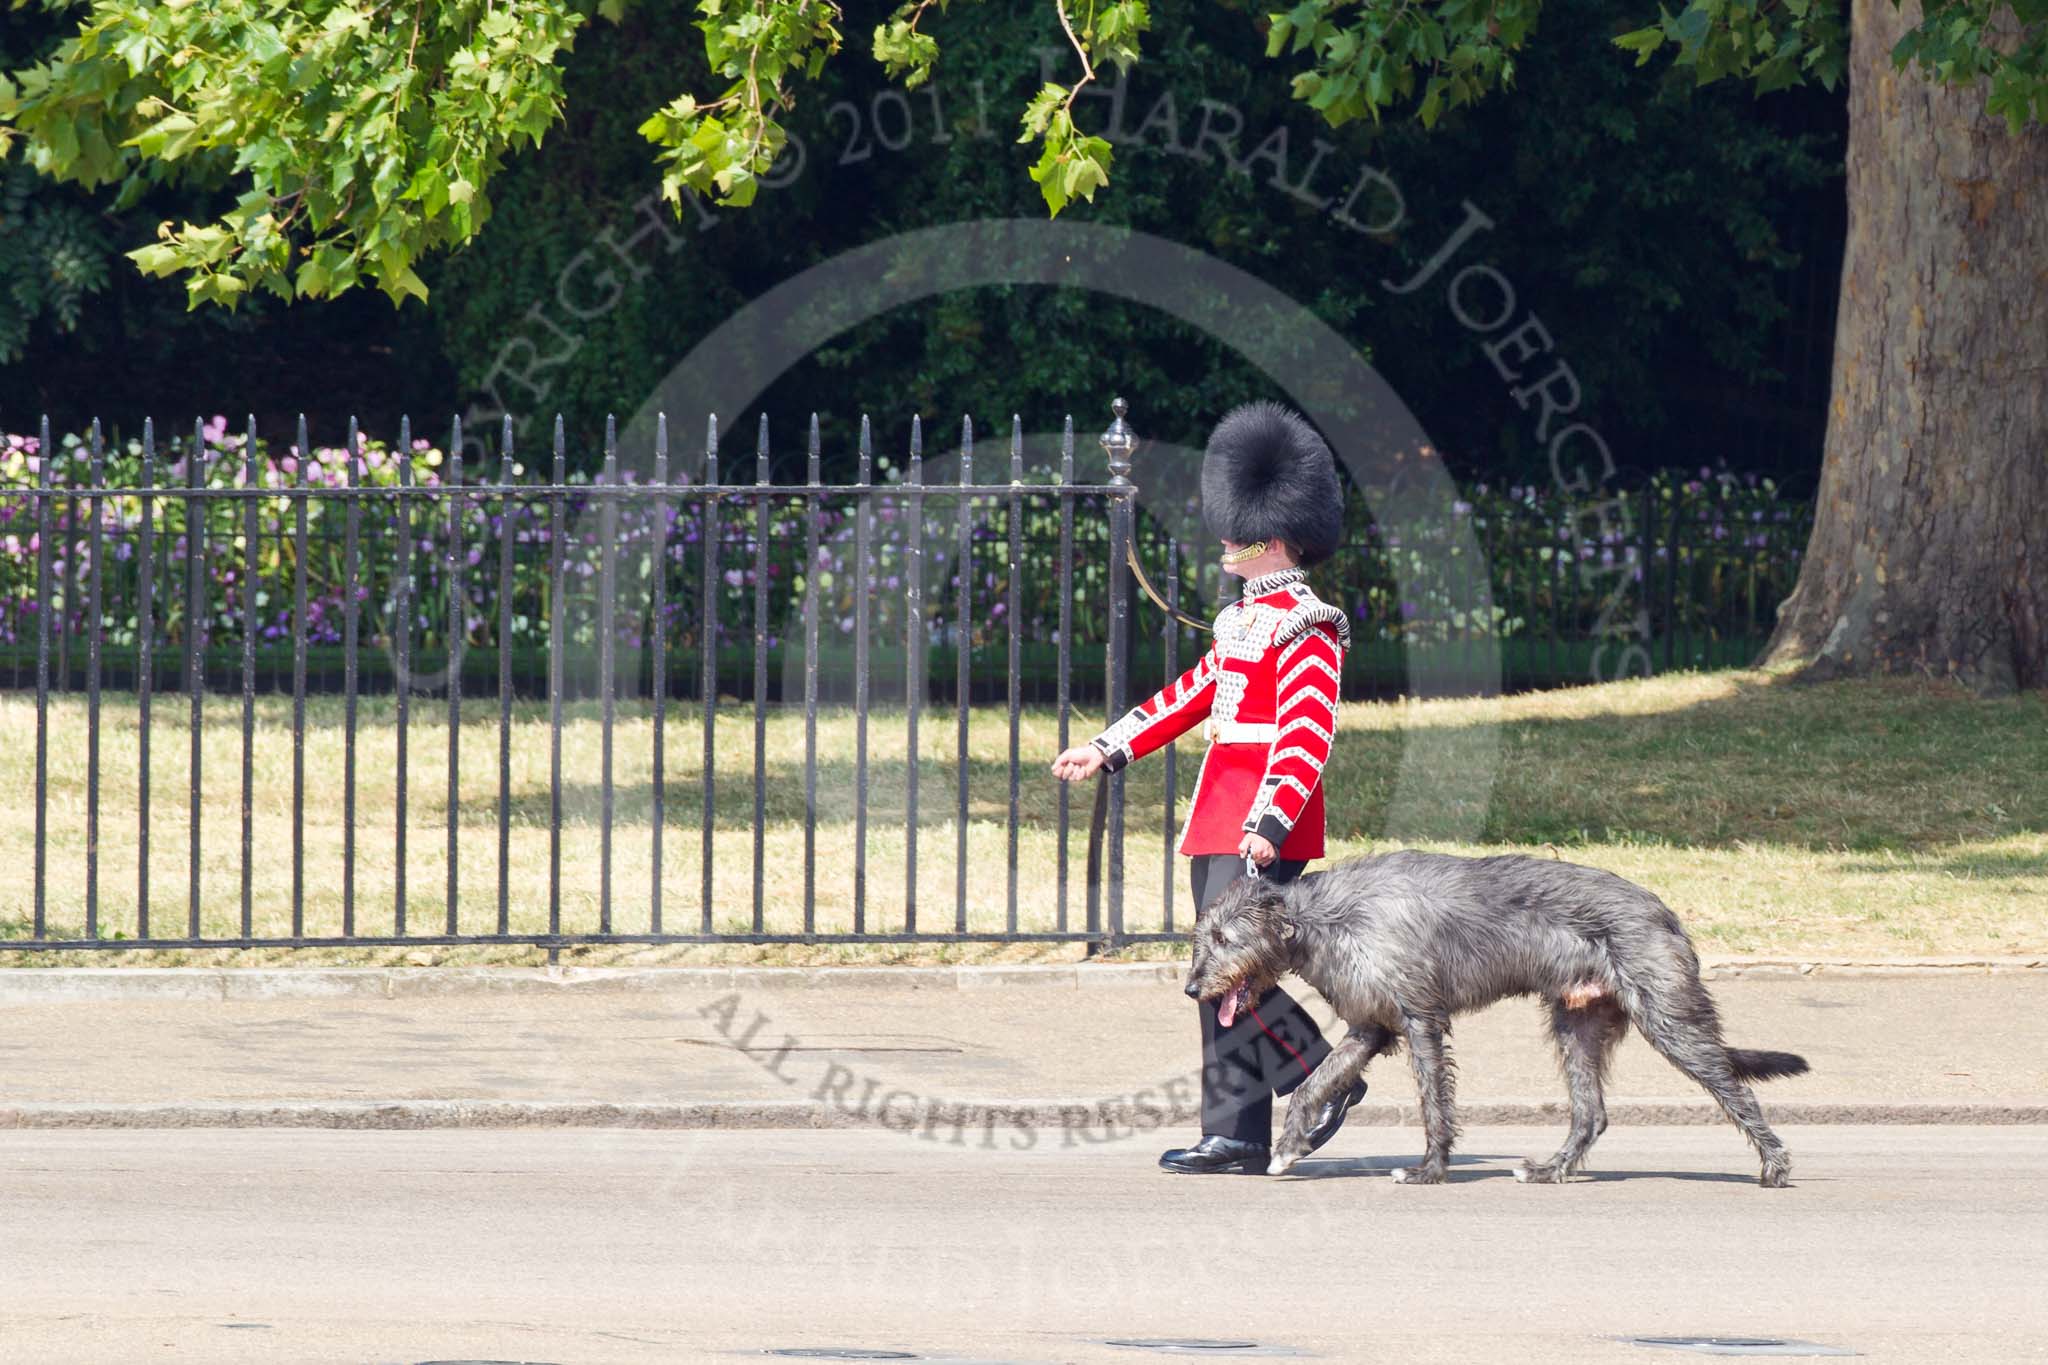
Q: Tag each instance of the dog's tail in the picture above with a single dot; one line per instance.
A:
(1753, 1065)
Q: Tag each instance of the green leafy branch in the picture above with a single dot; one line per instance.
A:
(722, 147)
(362, 135)
(1777, 43)
(364, 142)
(2005, 41)
(1071, 163)
(1783, 42)
(1363, 58)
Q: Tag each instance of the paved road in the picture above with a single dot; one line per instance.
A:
(1900, 1243)
(1949, 1038)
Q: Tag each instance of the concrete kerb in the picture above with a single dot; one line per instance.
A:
(955, 1121)
(44, 985)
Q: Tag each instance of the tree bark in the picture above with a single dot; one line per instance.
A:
(1930, 542)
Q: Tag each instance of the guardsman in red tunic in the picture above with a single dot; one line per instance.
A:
(1265, 697)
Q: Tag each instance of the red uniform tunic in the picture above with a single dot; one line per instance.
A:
(1265, 694)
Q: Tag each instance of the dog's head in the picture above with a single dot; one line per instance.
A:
(1243, 941)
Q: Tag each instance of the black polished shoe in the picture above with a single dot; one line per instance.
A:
(1332, 1116)
(1215, 1153)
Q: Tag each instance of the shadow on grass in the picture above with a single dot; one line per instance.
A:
(1685, 761)
(1988, 863)
(783, 797)
(1856, 765)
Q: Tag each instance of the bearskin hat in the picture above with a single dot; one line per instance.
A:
(1267, 475)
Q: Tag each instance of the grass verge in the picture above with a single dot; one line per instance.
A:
(1863, 817)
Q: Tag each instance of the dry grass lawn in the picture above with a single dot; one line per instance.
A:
(1852, 818)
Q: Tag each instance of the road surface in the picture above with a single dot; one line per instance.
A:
(573, 1247)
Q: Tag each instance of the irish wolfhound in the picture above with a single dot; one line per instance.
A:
(1400, 942)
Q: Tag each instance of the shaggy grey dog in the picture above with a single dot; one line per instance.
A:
(1400, 942)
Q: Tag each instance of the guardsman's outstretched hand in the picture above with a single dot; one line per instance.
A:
(1080, 762)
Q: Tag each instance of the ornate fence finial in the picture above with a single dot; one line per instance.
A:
(1118, 443)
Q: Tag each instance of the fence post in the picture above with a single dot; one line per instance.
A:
(1170, 630)
(145, 674)
(1118, 442)
(1649, 554)
(43, 485)
(1672, 659)
(96, 541)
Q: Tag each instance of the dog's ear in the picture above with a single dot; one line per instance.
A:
(1274, 904)
(1270, 911)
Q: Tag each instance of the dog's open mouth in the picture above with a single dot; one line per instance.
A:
(1235, 999)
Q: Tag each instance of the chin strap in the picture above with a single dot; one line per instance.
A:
(1244, 552)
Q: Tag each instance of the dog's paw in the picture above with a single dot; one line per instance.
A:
(1530, 1173)
(1294, 1132)
(1286, 1152)
(1416, 1175)
(1777, 1175)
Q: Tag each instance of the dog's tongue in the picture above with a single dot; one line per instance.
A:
(1226, 1013)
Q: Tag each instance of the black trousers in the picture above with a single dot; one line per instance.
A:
(1271, 1047)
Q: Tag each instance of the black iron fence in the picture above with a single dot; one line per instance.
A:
(1705, 559)
(454, 689)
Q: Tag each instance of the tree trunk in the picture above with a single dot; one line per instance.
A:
(1930, 541)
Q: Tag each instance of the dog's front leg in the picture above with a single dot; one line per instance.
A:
(1324, 1084)
(1430, 1056)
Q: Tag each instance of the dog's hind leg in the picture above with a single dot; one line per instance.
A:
(1689, 1036)
(1585, 1040)
(1429, 1054)
(1324, 1084)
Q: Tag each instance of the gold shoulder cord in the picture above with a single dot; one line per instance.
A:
(1138, 571)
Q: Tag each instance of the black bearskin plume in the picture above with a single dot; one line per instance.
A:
(1267, 475)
